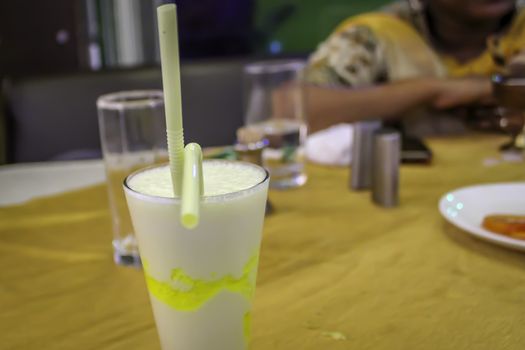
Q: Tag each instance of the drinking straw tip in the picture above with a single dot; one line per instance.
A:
(189, 221)
(194, 147)
(166, 7)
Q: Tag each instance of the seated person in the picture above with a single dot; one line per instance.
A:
(412, 55)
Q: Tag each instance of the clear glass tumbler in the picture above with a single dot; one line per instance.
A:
(133, 135)
(274, 108)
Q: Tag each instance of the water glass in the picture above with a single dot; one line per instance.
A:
(274, 108)
(132, 134)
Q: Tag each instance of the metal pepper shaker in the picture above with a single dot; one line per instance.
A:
(386, 156)
(361, 165)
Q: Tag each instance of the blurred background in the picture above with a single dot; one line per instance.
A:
(63, 38)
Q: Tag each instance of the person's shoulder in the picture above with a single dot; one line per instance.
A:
(517, 27)
(395, 16)
(520, 11)
(400, 9)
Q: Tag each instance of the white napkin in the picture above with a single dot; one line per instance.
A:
(332, 146)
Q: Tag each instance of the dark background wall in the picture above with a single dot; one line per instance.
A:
(66, 35)
(44, 44)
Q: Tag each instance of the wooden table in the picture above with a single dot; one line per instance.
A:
(336, 271)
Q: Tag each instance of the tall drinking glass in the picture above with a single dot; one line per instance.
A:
(133, 135)
(509, 93)
(274, 108)
(201, 281)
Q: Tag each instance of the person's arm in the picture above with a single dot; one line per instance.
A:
(328, 106)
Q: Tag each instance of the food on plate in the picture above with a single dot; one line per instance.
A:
(508, 225)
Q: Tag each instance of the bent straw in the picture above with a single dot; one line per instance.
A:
(192, 186)
(169, 58)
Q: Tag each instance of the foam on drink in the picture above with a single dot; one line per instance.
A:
(219, 178)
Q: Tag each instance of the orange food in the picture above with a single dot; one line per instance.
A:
(508, 225)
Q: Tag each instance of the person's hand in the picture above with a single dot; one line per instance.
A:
(452, 93)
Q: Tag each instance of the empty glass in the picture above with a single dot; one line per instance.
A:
(133, 135)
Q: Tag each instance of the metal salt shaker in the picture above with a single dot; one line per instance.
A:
(386, 156)
(361, 165)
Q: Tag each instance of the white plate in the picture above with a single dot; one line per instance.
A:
(466, 207)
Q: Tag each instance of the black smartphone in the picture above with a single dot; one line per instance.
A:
(414, 150)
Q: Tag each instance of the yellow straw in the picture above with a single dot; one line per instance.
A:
(169, 56)
(192, 186)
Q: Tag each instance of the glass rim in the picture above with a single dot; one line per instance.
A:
(274, 66)
(204, 199)
(145, 99)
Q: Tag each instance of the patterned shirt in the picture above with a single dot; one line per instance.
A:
(393, 45)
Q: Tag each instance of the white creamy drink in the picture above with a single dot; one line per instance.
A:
(201, 281)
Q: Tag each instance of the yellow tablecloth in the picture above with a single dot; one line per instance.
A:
(336, 272)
